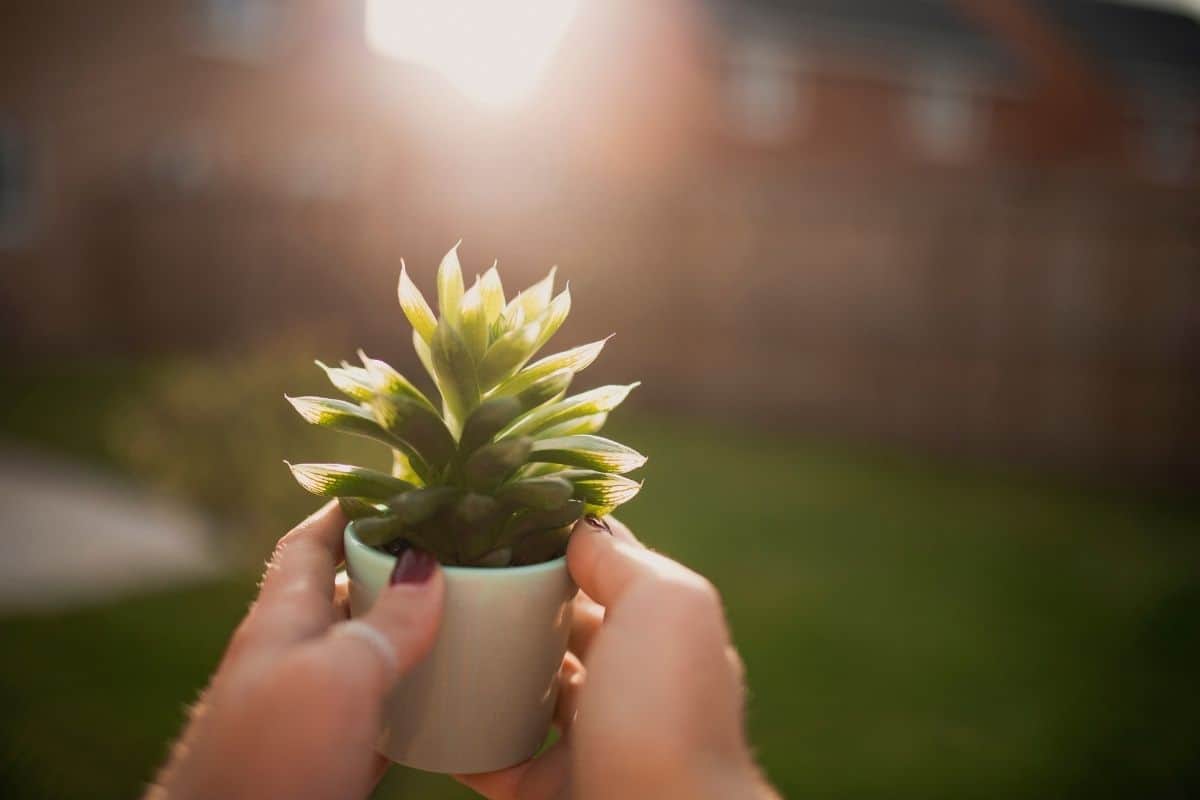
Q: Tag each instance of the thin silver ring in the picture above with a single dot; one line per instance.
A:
(372, 635)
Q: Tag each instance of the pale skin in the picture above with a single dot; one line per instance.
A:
(650, 705)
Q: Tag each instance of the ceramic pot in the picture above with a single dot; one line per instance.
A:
(483, 697)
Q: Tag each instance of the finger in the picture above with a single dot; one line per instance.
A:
(571, 677)
(606, 566)
(586, 619)
(295, 602)
(341, 596)
(541, 778)
(399, 630)
(620, 530)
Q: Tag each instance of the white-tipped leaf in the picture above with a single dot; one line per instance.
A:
(587, 452)
(596, 401)
(493, 416)
(600, 489)
(413, 303)
(341, 416)
(473, 322)
(449, 286)
(576, 359)
(386, 380)
(508, 353)
(553, 317)
(534, 300)
(429, 444)
(351, 381)
(492, 292)
(455, 374)
(343, 480)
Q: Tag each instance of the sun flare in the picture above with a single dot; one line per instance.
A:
(493, 52)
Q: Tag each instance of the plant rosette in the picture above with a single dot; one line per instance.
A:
(491, 481)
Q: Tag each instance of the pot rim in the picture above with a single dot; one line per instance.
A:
(370, 553)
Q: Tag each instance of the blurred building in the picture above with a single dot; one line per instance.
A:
(969, 224)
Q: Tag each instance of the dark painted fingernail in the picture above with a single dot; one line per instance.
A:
(597, 523)
(413, 566)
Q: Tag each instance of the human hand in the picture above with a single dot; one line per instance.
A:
(294, 709)
(651, 699)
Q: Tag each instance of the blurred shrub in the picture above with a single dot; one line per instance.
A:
(214, 433)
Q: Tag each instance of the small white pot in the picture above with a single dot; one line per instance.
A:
(483, 697)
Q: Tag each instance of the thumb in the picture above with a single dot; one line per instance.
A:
(402, 625)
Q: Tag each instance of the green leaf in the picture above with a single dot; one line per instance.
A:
(456, 374)
(492, 292)
(473, 323)
(387, 380)
(419, 505)
(533, 301)
(596, 401)
(420, 428)
(588, 452)
(553, 317)
(491, 464)
(542, 545)
(378, 531)
(600, 488)
(545, 493)
(574, 427)
(450, 286)
(532, 521)
(492, 416)
(412, 302)
(341, 416)
(351, 381)
(576, 359)
(511, 318)
(359, 507)
(343, 480)
(508, 353)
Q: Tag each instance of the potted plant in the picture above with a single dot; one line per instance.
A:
(490, 481)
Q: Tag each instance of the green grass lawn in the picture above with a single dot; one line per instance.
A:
(909, 630)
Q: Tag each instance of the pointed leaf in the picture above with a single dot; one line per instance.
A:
(596, 401)
(359, 507)
(587, 452)
(378, 530)
(473, 323)
(351, 381)
(576, 359)
(530, 521)
(450, 286)
(600, 488)
(545, 493)
(420, 428)
(533, 301)
(508, 353)
(553, 317)
(492, 291)
(418, 505)
(574, 427)
(492, 416)
(412, 302)
(386, 380)
(341, 416)
(491, 464)
(343, 480)
(456, 374)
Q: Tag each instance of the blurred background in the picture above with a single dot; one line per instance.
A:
(913, 288)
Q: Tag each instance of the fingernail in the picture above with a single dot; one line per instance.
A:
(413, 566)
(597, 523)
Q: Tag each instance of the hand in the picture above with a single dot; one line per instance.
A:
(651, 698)
(295, 707)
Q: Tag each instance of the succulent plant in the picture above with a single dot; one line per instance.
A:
(500, 472)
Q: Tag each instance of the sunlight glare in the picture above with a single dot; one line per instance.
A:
(493, 51)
